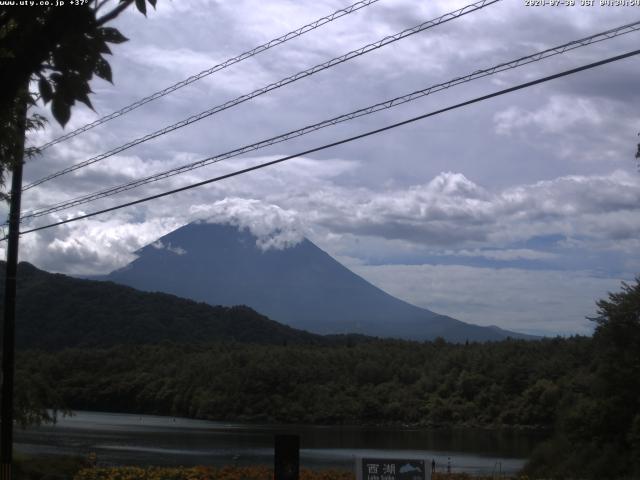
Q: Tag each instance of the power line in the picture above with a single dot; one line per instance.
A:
(216, 68)
(311, 71)
(340, 142)
(611, 33)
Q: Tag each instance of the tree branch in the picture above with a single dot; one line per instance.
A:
(107, 17)
(100, 4)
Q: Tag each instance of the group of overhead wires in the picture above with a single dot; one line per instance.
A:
(286, 136)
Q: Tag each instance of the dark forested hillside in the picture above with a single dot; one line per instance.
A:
(56, 311)
(155, 353)
(384, 381)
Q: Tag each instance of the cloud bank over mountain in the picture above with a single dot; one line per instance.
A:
(540, 184)
(272, 226)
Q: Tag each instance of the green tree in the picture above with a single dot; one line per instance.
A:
(59, 47)
(617, 343)
(599, 429)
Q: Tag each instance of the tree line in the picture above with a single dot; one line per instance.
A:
(583, 390)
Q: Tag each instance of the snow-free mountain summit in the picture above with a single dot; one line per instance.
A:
(299, 285)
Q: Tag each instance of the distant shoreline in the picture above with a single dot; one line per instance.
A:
(373, 425)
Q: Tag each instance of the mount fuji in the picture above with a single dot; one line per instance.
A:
(297, 284)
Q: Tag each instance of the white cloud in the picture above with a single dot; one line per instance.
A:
(452, 210)
(506, 254)
(540, 302)
(560, 113)
(159, 245)
(273, 227)
(167, 59)
(93, 246)
(482, 180)
(450, 213)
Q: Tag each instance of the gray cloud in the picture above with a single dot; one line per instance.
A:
(449, 211)
(551, 161)
(538, 302)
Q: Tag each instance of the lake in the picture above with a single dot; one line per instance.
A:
(124, 439)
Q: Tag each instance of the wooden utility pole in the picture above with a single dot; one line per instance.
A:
(8, 327)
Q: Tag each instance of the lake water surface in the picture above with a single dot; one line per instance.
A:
(123, 439)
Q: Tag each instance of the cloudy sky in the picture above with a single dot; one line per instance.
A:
(519, 211)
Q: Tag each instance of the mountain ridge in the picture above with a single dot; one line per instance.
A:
(80, 313)
(301, 286)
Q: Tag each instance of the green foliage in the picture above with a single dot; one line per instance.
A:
(61, 48)
(76, 312)
(36, 400)
(107, 349)
(320, 383)
(598, 433)
(13, 125)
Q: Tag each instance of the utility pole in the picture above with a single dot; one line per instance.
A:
(8, 327)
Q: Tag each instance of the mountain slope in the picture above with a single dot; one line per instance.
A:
(56, 311)
(301, 286)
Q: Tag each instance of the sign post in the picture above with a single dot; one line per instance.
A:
(391, 469)
(287, 457)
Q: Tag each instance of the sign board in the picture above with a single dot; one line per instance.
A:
(391, 469)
